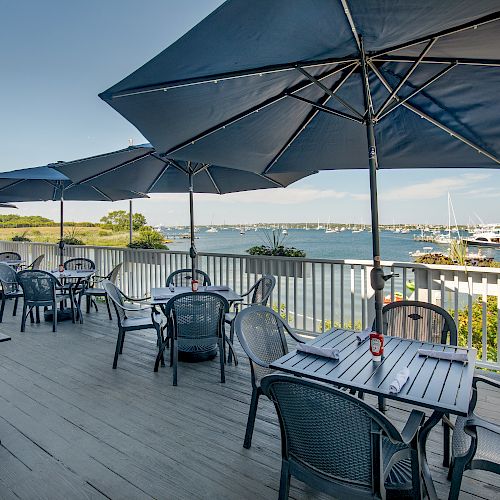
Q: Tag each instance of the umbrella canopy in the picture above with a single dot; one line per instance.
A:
(282, 86)
(48, 183)
(141, 168)
(7, 205)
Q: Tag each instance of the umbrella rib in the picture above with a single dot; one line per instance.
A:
(435, 122)
(248, 112)
(439, 60)
(213, 181)
(451, 31)
(12, 184)
(220, 77)
(431, 80)
(327, 110)
(410, 71)
(348, 14)
(113, 169)
(158, 177)
(325, 89)
(102, 193)
(309, 119)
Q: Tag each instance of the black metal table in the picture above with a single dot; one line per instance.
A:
(441, 385)
(160, 297)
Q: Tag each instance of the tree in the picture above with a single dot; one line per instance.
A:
(149, 238)
(118, 220)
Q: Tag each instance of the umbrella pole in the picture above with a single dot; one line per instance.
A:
(130, 221)
(192, 250)
(377, 277)
(61, 233)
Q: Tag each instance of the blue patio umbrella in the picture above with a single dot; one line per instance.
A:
(48, 183)
(277, 86)
(141, 168)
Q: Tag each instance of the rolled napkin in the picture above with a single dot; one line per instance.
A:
(326, 352)
(218, 288)
(363, 335)
(161, 297)
(449, 355)
(400, 380)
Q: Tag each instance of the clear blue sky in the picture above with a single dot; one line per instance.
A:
(58, 55)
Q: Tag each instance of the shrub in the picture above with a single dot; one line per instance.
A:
(275, 247)
(72, 238)
(21, 237)
(149, 238)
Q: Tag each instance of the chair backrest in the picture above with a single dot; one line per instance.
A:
(113, 275)
(9, 256)
(116, 296)
(261, 334)
(419, 321)
(183, 277)
(331, 435)
(8, 279)
(38, 286)
(79, 263)
(262, 289)
(198, 318)
(37, 262)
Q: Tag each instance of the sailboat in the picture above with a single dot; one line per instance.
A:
(329, 229)
(444, 239)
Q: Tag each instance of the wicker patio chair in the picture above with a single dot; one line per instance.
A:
(95, 289)
(340, 445)
(196, 324)
(259, 294)
(79, 263)
(140, 318)
(411, 319)
(42, 289)
(6, 256)
(10, 288)
(475, 442)
(183, 277)
(261, 333)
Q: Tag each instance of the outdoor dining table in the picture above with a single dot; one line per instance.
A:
(442, 385)
(72, 280)
(161, 296)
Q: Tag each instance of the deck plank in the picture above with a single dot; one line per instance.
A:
(71, 427)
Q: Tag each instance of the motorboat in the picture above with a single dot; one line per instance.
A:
(485, 239)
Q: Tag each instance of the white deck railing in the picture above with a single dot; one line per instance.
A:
(313, 294)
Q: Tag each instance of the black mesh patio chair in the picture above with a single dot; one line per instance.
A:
(95, 289)
(475, 442)
(42, 289)
(79, 263)
(35, 265)
(195, 323)
(7, 256)
(10, 288)
(259, 295)
(340, 445)
(183, 277)
(411, 319)
(261, 333)
(131, 318)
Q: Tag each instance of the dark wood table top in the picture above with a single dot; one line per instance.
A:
(439, 384)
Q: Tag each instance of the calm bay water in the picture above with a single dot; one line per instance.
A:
(316, 243)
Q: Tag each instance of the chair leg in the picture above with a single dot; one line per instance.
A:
(94, 303)
(87, 303)
(175, 356)
(456, 477)
(54, 317)
(252, 413)
(221, 359)
(117, 349)
(123, 340)
(446, 442)
(32, 318)
(23, 321)
(284, 480)
(2, 308)
(107, 305)
(14, 312)
(231, 337)
(381, 404)
(159, 357)
(37, 314)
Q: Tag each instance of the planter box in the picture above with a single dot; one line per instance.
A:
(275, 266)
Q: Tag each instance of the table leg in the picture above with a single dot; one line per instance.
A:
(429, 424)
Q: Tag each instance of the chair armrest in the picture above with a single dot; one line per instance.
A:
(472, 423)
(413, 424)
(486, 380)
(293, 333)
(134, 299)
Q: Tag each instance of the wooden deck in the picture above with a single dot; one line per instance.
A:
(71, 427)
